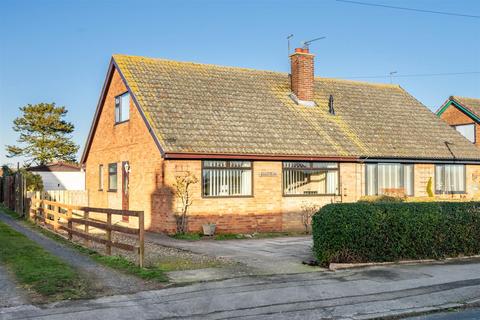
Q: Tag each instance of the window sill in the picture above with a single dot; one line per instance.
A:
(121, 122)
(112, 190)
(450, 193)
(311, 195)
(225, 197)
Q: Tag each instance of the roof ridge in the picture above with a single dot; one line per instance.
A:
(378, 84)
(463, 97)
(201, 64)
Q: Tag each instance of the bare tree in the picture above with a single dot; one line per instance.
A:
(308, 210)
(182, 187)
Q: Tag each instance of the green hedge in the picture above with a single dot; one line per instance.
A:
(376, 232)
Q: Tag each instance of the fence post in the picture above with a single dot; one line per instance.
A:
(85, 217)
(141, 238)
(69, 223)
(109, 234)
(56, 209)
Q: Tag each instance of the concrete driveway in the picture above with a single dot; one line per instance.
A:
(283, 255)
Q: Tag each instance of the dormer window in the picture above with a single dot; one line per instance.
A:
(122, 107)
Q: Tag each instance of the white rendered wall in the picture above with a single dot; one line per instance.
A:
(62, 180)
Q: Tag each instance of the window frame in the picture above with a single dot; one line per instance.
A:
(111, 174)
(101, 182)
(202, 189)
(311, 168)
(450, 192)
(365, 192)
(454, 126)
(120, 108)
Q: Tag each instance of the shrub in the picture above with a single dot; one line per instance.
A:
(381, 198)
(380, 231)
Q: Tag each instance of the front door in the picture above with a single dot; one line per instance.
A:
(125, 181)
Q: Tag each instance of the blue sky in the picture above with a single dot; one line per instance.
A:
(58, 51)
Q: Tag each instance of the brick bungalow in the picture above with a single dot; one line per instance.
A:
(262, 143)
(464, 115)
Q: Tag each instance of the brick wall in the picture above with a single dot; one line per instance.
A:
(129, 141)
(454, 116)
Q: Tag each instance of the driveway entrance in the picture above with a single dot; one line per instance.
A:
(265, 256)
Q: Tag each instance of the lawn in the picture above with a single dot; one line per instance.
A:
(37, 269)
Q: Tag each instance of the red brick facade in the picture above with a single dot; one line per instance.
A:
(454, 116)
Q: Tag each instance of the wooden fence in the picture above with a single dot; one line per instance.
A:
(74, 197)
(13, 193)
(67, 218)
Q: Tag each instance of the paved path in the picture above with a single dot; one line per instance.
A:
(103, 280)
(347, 294)
(10, 294)
(265, 256)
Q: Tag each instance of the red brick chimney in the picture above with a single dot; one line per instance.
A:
(302, 78)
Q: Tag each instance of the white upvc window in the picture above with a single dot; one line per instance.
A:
(467, 130)
(122, 107)
(450, 178)
(223, 178)
(388, 178)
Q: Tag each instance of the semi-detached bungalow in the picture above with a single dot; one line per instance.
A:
(262, 144)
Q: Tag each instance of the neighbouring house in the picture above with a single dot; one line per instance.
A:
(60, 176)
(464, 115)
(262, 144)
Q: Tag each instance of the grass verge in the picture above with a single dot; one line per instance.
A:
(37, 269)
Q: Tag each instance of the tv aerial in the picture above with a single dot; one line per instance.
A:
(306, 44)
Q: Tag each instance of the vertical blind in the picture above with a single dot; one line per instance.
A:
(227, 178)
(310, 178)
(449, 178)
(382, 177)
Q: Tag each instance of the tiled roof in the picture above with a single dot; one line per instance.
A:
(199, 108)
(472, 104)
(57, 167)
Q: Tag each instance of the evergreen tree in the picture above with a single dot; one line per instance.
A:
(44, 135)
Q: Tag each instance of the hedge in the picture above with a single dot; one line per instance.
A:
(379, 232)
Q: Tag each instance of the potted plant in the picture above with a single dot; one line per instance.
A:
(209, 229)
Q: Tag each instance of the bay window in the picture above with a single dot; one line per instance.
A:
(222, 178)
(384, 178)
(310, 178)
(449, 178)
